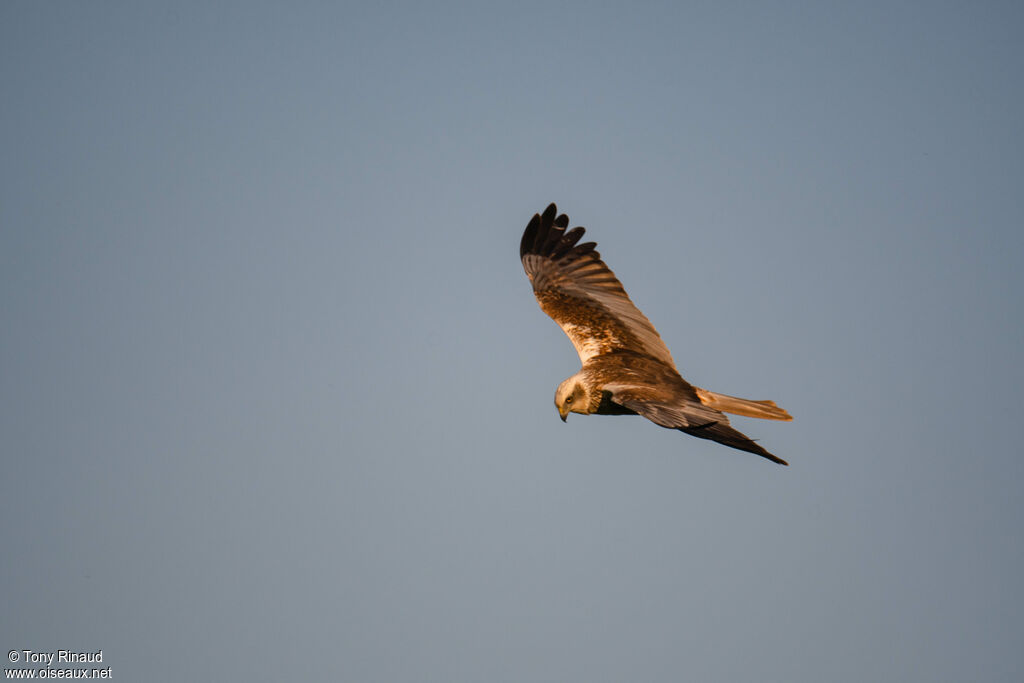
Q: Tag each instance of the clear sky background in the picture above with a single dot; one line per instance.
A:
(276, 398)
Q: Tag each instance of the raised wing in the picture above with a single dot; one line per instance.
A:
(668, 408)
(580, 293)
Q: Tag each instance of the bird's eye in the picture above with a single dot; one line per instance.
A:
(568, 400)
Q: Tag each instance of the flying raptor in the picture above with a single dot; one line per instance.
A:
(627, 369)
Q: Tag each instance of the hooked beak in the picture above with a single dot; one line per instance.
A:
(563, 412)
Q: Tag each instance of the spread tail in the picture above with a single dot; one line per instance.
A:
(766, 410)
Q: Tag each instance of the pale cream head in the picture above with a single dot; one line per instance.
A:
(572, 397)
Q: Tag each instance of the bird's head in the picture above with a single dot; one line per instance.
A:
(572, 397)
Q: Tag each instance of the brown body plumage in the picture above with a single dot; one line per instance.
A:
(626, 367)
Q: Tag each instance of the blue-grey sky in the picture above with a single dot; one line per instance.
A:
(276, 398)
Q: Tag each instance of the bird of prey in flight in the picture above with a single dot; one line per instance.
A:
(627, 369)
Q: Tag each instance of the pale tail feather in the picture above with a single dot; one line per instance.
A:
(766, 410)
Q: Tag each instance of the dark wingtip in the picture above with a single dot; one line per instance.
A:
(567, 242)
(758, 450)
(726, 435)
(529, 236)
(548, 217)
(546, 235)
(765, 454)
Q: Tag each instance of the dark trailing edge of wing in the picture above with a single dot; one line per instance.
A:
(546, 235)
